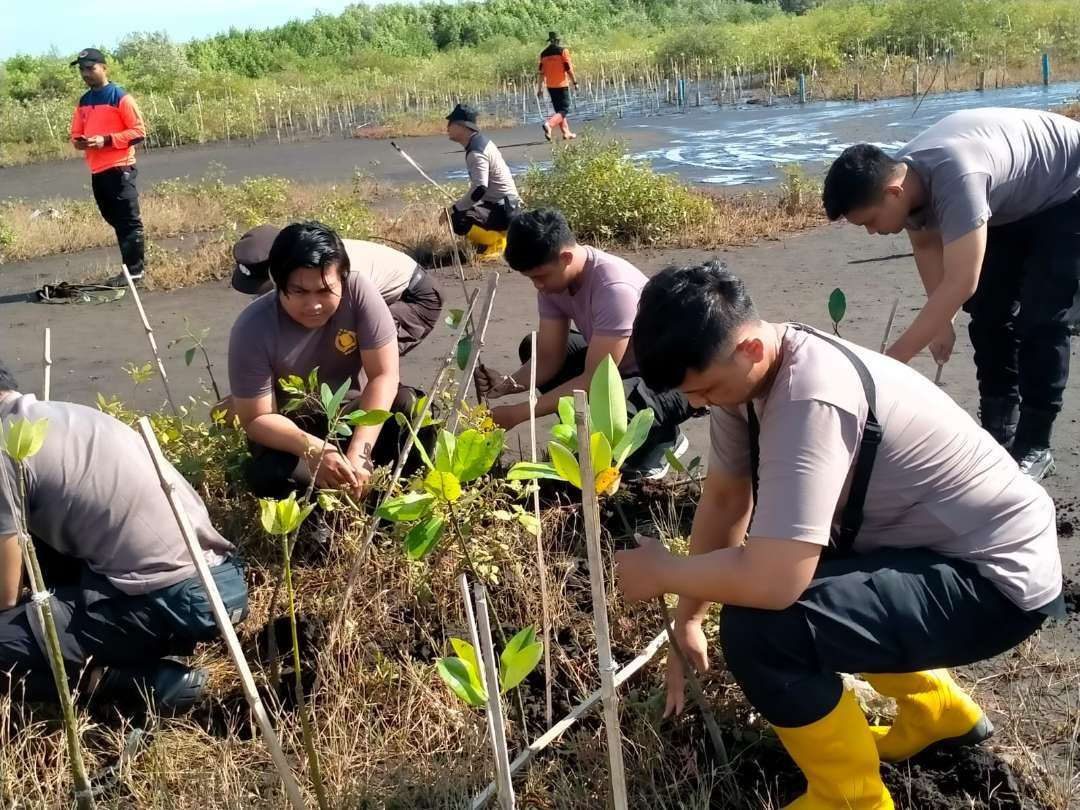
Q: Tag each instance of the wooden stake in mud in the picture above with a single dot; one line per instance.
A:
(490, 675)
(591, 508)
(889, 325)
(46, 358)
(474, 638)
(406, 448)
(474, 354)
(221, 617)
(150, 339)
(425, 175)
(540, 563)
(579, 711)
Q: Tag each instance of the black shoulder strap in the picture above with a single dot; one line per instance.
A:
(852, 517)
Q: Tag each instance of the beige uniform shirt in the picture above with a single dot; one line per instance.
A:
(388, 269)
(939, 481)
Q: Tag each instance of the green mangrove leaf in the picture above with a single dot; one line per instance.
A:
(522, 654)
(423, 537)
(476, 453)
(443, 485)
(406, 508)
(463, 680)
(23, 438)
(635, 436)
(565, 463)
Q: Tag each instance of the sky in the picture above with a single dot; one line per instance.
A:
(37, 26)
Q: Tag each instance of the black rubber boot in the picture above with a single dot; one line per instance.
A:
(999, 417)
(168, 686)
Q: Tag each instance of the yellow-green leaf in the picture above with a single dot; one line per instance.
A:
(282, 517)
(463, 680)
(601, 451)
(443, 485)
(607, 401)
(565, 464)
(23, 438)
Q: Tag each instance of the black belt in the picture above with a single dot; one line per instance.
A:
(852, 517)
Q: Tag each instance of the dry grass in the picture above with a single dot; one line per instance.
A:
(392, 737)
(174, 208)
(1071, 110)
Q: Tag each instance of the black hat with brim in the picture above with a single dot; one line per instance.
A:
(89, 56)
(252, 255)
(465, 115)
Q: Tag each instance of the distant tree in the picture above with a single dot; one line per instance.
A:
(158, 61)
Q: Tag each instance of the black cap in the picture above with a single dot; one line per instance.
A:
(465, 115)
(252, 254)
(89, 56)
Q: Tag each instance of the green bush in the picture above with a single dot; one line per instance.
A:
(608, 197)
(346, 213)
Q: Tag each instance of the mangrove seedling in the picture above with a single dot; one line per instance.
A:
(462, 672)
(282, 519)
(613, 439)
(457, 460)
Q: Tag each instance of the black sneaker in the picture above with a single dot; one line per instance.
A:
(547, 131)
(118, 281)
(1036, 463)
(171, 687)
(654, 464)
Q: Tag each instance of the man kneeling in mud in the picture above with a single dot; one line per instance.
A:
(124, 589)
(854, 519)
(321, 316)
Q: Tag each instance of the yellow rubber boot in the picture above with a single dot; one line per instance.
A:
(491, 243)
(930, 708)
(837, 756)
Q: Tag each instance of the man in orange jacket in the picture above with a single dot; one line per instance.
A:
(556, 73)
(107, 126)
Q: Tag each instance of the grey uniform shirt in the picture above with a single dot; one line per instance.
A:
(993, 166)
(93, 493)
(604, 304)
(939, 480)
(486, 169)
(265, 344)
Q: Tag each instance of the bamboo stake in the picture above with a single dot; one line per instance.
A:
(46, 390)
(425, 175)
(491, 685)
(373, 523)
(889, 325)
(150, 339)
(540, 563)
(591, 509)
(474, 637)
(552, 734)
(474, 354)
(222, 618)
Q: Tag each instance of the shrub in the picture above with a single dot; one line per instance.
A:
(609, 197)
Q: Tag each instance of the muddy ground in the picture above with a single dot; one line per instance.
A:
(790, 279)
